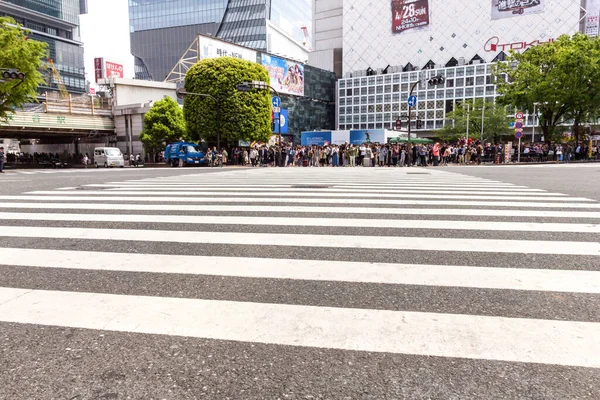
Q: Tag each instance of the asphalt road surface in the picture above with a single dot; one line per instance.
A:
(306, 283)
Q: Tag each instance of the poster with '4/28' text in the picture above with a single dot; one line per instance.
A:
(409, 14)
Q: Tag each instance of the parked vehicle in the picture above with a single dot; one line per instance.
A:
(181, 154)
(108, 157)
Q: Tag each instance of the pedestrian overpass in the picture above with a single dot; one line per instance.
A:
(53, 117)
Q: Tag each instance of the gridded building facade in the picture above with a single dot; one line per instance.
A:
(55, 22)
(162, 30)
(375, 102)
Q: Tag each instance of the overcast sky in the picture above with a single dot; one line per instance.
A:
(105, 33)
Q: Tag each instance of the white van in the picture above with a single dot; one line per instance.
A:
(108, 157)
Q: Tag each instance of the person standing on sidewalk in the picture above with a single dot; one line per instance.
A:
(2, 160)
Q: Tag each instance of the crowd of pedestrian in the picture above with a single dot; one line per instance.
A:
(397, 155)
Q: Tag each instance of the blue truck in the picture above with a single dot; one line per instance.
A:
(181, 154)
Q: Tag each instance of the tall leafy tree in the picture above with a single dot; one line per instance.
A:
(18, 52)
(561, 78)
(163, 123)
(236, 115)
(495, 121)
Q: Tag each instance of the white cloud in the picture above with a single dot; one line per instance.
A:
(105, 33)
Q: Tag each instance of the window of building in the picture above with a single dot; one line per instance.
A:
(480, 80)
(348, 92)
(379, 98)
(388, 89)
(371, 89)
(363, 100)
(469, 81)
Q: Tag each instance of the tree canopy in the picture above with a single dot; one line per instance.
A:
(163, 123)
(19, 53)
(562, 80)
(242, 115)
(495, 121)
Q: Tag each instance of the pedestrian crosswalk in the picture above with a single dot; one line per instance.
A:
(402, 263)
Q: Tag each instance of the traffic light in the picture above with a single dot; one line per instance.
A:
(398, 124)
(12, 74)
(419, 124)
(436, 80)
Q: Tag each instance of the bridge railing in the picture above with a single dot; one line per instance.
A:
(82, 104)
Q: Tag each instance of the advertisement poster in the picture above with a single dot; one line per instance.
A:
(409, 14)
(514, 8)
(359, 137)
(317, 138)
(211, 48)
(286, 76)
(340, 137)
(283, 121)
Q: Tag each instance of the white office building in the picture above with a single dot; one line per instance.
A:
(386, 45)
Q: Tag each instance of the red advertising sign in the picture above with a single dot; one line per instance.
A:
(92, 91)
(98, 68)
(113, 69)
(409, 14)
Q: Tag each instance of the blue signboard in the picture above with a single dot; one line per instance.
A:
(359, 137)
(276, 101)
(412, 101)
(318, 138)
(283, 121)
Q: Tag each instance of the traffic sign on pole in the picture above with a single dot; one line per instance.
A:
(519, 125)
(520, 115)
(276, 109)
(518, 134)
(276, 101)
(412, 101)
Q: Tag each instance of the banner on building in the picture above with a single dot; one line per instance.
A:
(283, 121)
(316, 138)
(212, 48)
(286, 76)
(340, 137)
(592, 18)
(358, 137)
(409, 14)
(515, 8)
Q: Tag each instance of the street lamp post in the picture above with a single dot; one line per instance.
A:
(181, 94)
(482, 118)
(434, 81)
(533, 129)
(468, 121)
(245, 87)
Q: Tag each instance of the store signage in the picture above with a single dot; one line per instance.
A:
(213, 48)
(409, 14)
(113, 69)
(494, 44)
(98, 68)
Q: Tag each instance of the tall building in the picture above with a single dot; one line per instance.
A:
(390, 45)
(55, 22)
(161, 31)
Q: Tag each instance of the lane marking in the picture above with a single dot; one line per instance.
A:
(312, 222)
(571, 281)
(305, 240)
(532, 203)
(311, 210)
(399, 332)
(298, 193)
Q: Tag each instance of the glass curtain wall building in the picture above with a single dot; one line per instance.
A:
(55, 22)
(162, 30)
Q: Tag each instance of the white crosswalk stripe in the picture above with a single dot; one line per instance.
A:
(374, 229)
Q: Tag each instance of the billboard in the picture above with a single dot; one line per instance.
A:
(98, 68)
(514, 8)
(317, 138)
(211, 48)
(359, 137)
(113, 69)
(409, 14)
(286, 76)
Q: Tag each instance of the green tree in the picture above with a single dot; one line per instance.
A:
(163, 123)
(495, 121)
(19, 53)
(562, 80)
(242, 115)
